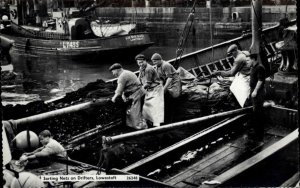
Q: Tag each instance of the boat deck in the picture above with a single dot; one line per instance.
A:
(225, 157)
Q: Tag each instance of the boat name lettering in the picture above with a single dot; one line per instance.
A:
(70, 44)
(135, 37)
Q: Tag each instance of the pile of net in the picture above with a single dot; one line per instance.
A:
(198, 99)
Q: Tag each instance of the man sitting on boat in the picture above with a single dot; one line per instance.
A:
(50, 148)
(171, 82)
(241, 70)
(153, 108)
(129, 87)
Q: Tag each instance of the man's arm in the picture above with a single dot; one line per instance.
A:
(257, 87)
(120, 88)
(35, 151)
(167, 84)
(238, 63)
(42, 153)
(169, 71)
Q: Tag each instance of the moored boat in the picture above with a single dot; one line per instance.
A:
(71, 33)
(115, 46)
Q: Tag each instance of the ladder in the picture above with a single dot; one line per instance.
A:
(225, 64)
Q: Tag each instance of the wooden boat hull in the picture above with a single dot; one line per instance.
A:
(230, 161)
(117, 45)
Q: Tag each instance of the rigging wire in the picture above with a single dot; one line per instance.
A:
(184, 36)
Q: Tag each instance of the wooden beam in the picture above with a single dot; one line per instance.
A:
(119, 138)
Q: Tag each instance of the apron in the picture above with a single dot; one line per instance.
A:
(240, 88)
(134, 117)
(153, 109)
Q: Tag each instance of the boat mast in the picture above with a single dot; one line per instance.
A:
(256, 12)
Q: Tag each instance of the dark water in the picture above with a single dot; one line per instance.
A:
(49, 77)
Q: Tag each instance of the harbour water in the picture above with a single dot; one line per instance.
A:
(49, 77)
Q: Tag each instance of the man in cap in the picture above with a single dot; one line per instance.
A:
(153, 108)
(257, 94)
(241, 70)
(171, 82)
(50, 148)
(129, 87)
(240, 62)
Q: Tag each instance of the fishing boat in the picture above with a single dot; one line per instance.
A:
(214, 140)
(67, 34)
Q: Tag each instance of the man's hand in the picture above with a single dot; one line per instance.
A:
(254, 94)
(113, 99)
(23, 158)
(124, 98)
(216, 73)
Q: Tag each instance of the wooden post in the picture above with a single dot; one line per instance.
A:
(256, 11)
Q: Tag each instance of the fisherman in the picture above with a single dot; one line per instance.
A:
(50, 148)
(241, 70)
(171, 83)
(153, 108)
(257, 94)
(129, 88)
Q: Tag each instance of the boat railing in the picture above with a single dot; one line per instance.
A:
(38, 34)
(51, 35)
(225, 64)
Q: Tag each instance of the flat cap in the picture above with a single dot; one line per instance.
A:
(115, 66)
(140, 57)
(156, 56)
(232, 48)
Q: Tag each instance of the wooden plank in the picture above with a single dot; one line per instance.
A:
(278, 131)
(195, 74)
(292, 181)
(208, 69)
(180, 177)
(192, 169)
(235, 152)
(184, 185)
(240, 168)
(200, 68)
(221, 62)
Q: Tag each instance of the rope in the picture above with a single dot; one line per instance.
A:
(184, 36)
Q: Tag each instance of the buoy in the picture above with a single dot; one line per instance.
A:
(27, 180)
(8, 178)
(5, 18)
(24, 140)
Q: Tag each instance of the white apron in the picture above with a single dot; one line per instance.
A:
(240, 88)
(153, 109)
(134, 117)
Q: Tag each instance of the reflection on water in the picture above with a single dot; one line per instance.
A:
(49, 77)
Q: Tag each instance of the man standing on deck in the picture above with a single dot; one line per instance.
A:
(171, 82)
(257, 94)
(153, 108)
(129, 87)
(50, 148)
(241, 70)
